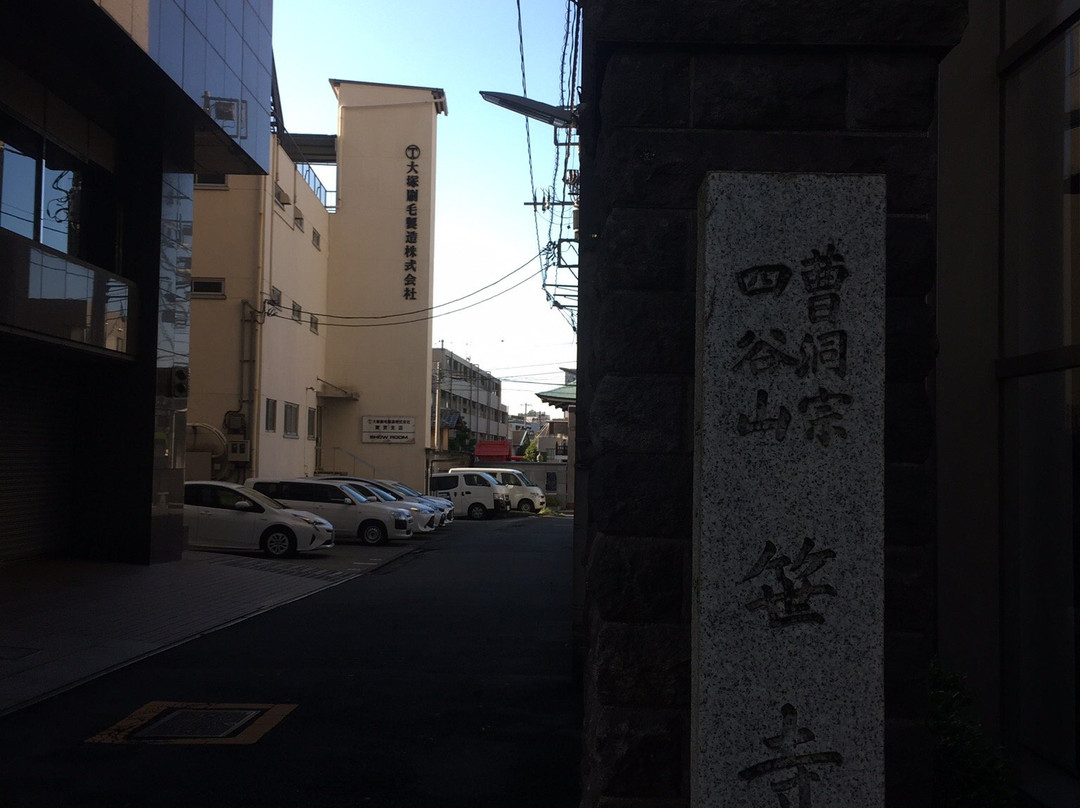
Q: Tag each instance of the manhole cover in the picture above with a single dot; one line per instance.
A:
(172, 722)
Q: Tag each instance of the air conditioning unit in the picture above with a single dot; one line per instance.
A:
(239, 451)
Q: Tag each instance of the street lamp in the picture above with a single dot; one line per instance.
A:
(537, 110)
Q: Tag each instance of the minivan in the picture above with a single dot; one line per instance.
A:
(525, 495)
(475, 493)
(350, 512)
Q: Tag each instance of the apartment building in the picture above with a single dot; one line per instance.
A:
(462, 387)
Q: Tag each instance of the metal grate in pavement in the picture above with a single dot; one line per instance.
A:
(186, 722)
(171, 722)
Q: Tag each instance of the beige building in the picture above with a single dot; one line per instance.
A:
(310, 336)
(472, 393)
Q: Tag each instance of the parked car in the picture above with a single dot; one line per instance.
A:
(474, 492)
(444, 505)
(525, 495)
(227, 516)
(351, 513)
(425, 517)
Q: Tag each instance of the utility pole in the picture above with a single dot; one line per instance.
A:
(438, 416)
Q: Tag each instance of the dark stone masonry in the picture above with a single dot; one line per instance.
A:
(670, 92)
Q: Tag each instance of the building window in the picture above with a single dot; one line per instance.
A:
(313, 321)
(208, 287)
(298, 219)
(316, 239)
(271, 415)
(292, 420)
(297, 311)
(281, 199)
(212, 180)
(50, 196)
(312, 423)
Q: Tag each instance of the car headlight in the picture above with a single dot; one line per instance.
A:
(401, 514)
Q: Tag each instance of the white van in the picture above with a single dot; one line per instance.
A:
(475, 493)
(525, 495)
(351, 513)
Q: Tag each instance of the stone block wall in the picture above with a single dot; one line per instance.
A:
(670, 92)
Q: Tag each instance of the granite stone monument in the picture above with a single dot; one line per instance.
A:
(788, 706)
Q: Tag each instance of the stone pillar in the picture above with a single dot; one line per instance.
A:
(789, 492)
(671, 92)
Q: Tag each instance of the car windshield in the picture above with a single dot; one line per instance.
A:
(391, 496)
(352, 492)
(405, 489)
(263, 499)
(525, 480)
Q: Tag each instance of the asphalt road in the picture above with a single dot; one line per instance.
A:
(441, 679)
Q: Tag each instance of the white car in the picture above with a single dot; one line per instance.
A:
(427, 517)
(227, 516)
(440, 504)
(351, 513)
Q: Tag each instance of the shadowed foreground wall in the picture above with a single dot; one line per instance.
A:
(670, 92)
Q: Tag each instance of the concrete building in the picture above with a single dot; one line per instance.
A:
(462, 387)
(308, 356)
(106, 112)
(258, 343)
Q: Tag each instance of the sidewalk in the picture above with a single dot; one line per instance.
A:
(66, 620)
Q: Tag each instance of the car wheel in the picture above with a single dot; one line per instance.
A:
(372, 533)
(525, 506)
(477, 511)
(279, 542)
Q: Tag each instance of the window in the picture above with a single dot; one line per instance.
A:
(298, 219)
(271, 415)
(297, 311)
(292, 420)
(54, 198)
(312, 423)
(316, 239)
(208, 287)
(212, 180)
(313, 323)
(280, 197)
(446, 483)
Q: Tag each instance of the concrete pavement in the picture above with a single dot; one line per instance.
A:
(66, 621)
(443, 680)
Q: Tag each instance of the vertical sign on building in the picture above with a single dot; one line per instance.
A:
(789, 493)
(412, 218)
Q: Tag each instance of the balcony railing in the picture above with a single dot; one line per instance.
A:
(48, 293)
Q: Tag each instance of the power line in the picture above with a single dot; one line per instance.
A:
(430, 317)
(429, 308)
(528, 136)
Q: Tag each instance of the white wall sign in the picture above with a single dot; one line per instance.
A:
(388, 429)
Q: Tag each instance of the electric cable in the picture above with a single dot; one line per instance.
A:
(429, 308)
(433, 316)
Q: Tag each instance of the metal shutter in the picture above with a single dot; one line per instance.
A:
(36, 478)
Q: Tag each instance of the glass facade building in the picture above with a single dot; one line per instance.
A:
(106, 114)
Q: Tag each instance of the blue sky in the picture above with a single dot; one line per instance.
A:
(483, 228)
